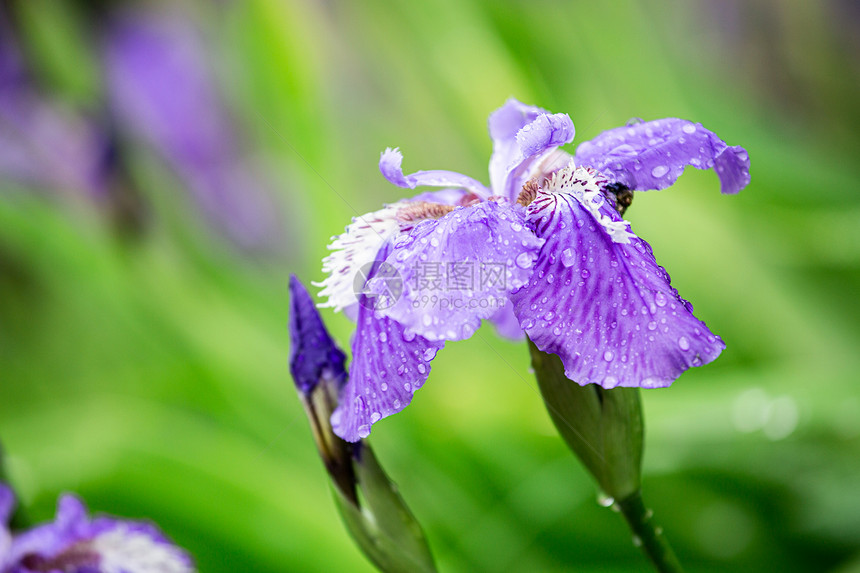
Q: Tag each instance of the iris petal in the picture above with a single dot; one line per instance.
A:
(604, 306)
(459, 269)
(390, 165)
(507, 324)
(652, 155)
(522, 136)
(504, 124)
(388, 365)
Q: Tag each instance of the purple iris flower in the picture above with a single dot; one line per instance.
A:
(541, 250)
(74, 543)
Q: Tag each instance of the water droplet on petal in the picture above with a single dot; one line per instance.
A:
(429, 354)
(610, 382)
(383, 337)
(585, 273)
(375, 417)
(683, 343)
(608, 355)
(383, 387)
(524, 260)
(363, 431)
(422, 369)
(689, 128)
(660, 299)
(568, 257)
(659, 171)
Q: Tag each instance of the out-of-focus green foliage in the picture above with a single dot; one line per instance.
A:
(150, 373)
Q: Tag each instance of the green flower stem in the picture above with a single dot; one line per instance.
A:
(604, 429)
(648, 535)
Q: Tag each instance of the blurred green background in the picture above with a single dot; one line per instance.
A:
(143, 351)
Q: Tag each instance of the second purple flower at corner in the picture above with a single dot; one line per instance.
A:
(548, 254)
(76, 543)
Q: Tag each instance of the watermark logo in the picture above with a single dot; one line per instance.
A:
(433, 284)
(382, 289)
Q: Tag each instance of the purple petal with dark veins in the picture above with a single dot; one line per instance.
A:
(459, 269)
(390, 162)
(652, 155)
(313, 354)
(606, 308)
(387, 367)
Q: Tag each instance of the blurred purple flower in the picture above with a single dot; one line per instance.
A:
(580, 283)
(74, 543)
(162, 91)
(41, 144)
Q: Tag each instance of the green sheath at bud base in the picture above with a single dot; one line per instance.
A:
(602, 427)
(381, 524)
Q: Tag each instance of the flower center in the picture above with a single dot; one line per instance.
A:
(420, 210)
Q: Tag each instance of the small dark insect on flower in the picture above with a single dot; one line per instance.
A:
(621, 194)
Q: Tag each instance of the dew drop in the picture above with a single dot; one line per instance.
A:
(557, 330)
(408, 336)
(585, 273)
(421, 368)
(660, 299)
(383, 387)
(568, 257)
(427, 320)
(524, 260)
(375, 417)
(608, 355)
(689, 128)
(610, 382)
(429, 354)
(659, 171)
(383, 337)
(363, 431)
(683, 343)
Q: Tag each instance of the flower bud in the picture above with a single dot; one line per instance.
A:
(369, 503)
(602, 427)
